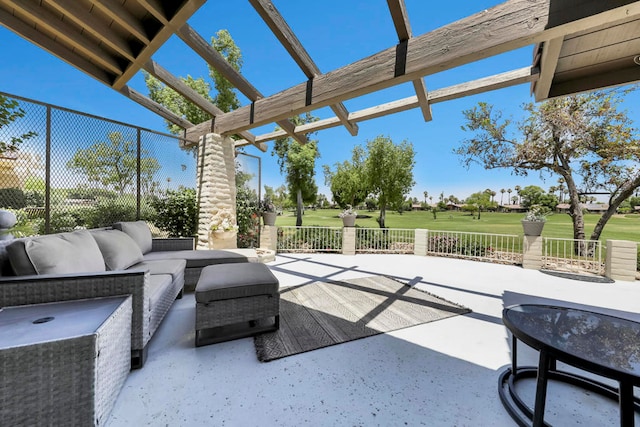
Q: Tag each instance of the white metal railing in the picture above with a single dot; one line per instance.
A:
(500, 248)
(573, 255)
(385, 240)
(309, 239)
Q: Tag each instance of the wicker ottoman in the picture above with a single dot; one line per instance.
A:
(236, 301)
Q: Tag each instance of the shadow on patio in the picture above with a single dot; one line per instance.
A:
(440, 373)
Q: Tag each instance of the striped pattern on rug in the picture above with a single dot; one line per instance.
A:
(322, 314)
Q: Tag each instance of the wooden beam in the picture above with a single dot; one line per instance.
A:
(45, 42)
(88, 21)
(136, 96)
(485, 84)
(217, 61)
(400, 19)
(63, 31)
(176, 21)
(114, 10)
(623, 72)
(508, 26)
(183, 89)
(548, 63)
(283, 32)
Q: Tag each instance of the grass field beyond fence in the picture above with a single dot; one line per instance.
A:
(620, 227)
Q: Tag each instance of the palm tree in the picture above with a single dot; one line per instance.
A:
(514, 199)
(509, 191)
(502, 191)
(425, 197)
(517, 188)
(493, 194)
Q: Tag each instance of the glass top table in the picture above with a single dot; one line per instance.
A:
(598, 343)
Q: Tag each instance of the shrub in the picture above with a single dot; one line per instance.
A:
(442, 244)
(12, 198)
(177, 212)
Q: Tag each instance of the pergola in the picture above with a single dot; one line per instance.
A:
(580, 45)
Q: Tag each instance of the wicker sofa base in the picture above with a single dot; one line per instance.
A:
(228, 307)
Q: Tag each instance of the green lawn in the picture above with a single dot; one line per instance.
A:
(621, 227)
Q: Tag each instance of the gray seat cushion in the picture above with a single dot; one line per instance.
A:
(174, 267)
(229, 281)
(198, 259)
(138, 231)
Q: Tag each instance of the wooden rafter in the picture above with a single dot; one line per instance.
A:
(508, 26)
(400, 18)
(485, 84)
(217, 61)
(548, 61)
(283, 32)
(161, 110)
(179, 86)
(82, 17)
(116, 11)
(170, 25)
(46, 20)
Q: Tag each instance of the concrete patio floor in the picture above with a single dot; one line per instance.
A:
(443, 373)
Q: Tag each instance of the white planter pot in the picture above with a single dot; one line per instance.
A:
(349, 220)
(532, 228)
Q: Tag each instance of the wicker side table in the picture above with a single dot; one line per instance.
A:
(63, 363)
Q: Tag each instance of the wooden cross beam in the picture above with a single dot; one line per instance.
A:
(270, 15)
(400, 18)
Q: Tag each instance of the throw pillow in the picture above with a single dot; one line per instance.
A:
(118, 249)
(65, 253)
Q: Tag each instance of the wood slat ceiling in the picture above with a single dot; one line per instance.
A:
(580, 45)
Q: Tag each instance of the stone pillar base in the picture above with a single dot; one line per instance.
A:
(532, 252)
(269, 237)
(348, 241)
(621, 261)
(420, 242)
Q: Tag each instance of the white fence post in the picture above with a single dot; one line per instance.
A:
(420, 242)
(621, 260)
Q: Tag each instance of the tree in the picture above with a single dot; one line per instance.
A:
(480, 201)
(347, 183)
(502, 191)
(10, 111)
(509, 191)
(534, 195)
(585, 139)
(297, 164)
(425, 194)
(389, 172)
(225, 98)
(113, 164)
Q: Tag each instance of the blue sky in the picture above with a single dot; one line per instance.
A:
(335, 35)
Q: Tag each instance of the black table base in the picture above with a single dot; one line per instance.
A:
(523, 414)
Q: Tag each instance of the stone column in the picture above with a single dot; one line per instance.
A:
(216, 180)
(420, 242)
(348, 240)
(532, 252)
(621, 261)
(269, 237)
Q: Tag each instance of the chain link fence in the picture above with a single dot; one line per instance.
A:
(61, 170)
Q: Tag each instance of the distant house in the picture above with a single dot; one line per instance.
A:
(416, 206)
(588, 207)
(512, 208)
(454, 206)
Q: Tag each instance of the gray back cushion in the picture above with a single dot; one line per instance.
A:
(118, 249)
(138, 231)
(64, 253)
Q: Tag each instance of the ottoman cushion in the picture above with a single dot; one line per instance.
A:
(229, 281)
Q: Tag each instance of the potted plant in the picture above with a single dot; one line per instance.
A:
(534, 220)
(223, 225)
(348, 217)
(268, 210)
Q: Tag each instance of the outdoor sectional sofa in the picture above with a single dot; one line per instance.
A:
(123, 260)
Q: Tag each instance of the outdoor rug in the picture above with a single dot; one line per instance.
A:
(322, 314)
